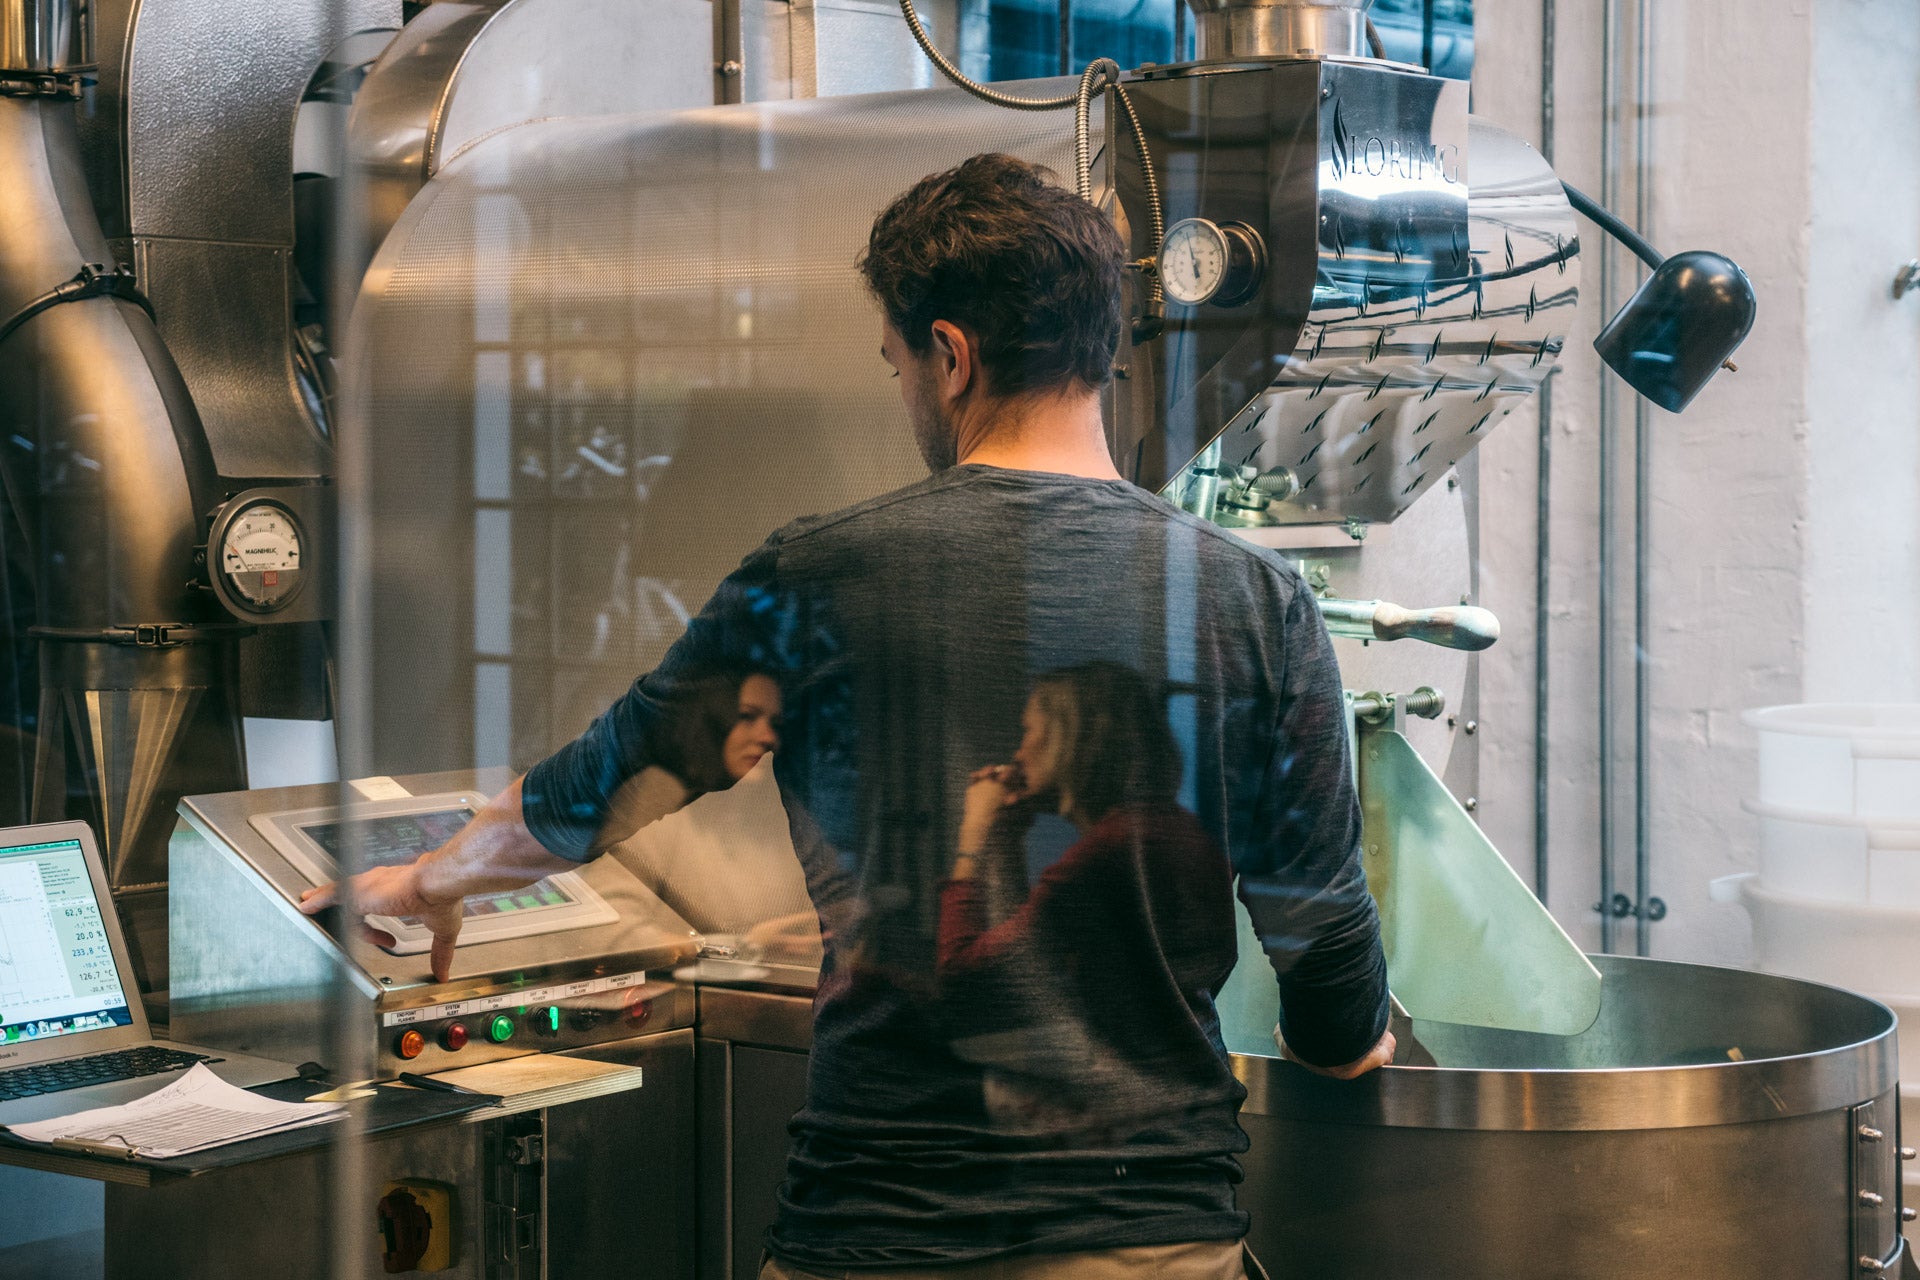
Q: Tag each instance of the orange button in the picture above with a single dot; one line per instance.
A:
(412, 1044)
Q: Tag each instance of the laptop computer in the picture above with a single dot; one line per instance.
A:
(73, 1034)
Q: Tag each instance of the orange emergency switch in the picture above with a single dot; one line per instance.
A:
(415, 1218)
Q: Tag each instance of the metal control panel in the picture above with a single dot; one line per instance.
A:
(250, 972)
(568, 1015)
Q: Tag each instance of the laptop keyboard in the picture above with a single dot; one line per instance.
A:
(99, 1068)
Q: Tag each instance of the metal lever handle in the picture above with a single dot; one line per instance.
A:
(1450, 626)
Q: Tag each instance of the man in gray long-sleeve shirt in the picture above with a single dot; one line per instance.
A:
(1037, 721)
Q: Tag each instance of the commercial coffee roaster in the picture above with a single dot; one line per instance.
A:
(597, 356)
(1393, 278)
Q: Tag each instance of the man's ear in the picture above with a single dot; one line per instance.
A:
(956, 362)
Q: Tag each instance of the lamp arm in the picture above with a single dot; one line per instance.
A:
(1613, 226)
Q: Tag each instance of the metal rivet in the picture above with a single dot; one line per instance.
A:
(1471, 726)
(731, 68)
(1870, 1134)
(1472, 803)
(1872, 1197)
(1908, 1153)
(1873, 1266)
(1908, 1215)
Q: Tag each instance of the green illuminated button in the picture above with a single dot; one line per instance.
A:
(544, 1020)
(500, 1030)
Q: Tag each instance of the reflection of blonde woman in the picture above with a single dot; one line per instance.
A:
(1096, 747)
(707, 831)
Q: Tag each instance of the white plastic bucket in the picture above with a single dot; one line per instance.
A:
(1858, 946)
(1859, 758)
(1838, 858)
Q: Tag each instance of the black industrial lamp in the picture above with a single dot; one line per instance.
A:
(1680, 325)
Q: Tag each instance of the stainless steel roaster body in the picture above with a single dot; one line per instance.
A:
(1713, 1123)
(605, 357)
(1637, 1150)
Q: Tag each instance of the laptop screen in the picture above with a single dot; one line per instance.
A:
(57, 974)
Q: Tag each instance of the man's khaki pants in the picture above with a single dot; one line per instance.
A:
(1209, 1260)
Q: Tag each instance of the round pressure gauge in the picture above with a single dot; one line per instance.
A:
(259, 556)
(1217, 262)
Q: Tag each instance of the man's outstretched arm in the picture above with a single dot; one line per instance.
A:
(492, 853)
(552, 819)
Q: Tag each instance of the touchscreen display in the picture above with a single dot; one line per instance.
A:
(401, 838)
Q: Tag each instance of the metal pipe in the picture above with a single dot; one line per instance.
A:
(348, 1179)
(1543, 514)
(1280, 28)
(1642, 442)
(112, 488)
(45, 37)
(1204, 493)
(1609, 158)
(354, 717)
(108, 483)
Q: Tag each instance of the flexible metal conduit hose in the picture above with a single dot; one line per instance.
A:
(1100, 73)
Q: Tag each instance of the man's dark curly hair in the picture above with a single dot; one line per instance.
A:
(1024, 266)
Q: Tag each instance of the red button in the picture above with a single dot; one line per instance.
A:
(639, 1011)
(455, 1036)
(412, 1044)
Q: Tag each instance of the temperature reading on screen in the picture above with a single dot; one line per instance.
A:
(57, 972)
(31, 969)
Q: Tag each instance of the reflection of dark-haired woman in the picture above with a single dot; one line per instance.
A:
(1095, 747)
(718, 728)
(726, 863)
(715, 729)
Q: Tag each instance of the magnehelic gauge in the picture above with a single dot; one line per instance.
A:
(1218, 262)
(259, 557)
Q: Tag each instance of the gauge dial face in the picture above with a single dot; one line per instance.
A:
(260, 555)
(1193, 261)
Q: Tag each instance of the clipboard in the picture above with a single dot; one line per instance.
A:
(388, 1110)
